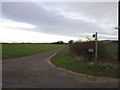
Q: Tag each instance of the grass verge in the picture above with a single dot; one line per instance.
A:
(19, 50)
(65, 60)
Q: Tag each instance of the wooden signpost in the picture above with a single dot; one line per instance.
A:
(96, 38)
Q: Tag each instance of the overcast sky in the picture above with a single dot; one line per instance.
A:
(53, 21)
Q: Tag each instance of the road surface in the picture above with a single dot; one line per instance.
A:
(36, 71)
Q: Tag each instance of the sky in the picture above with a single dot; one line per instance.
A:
(54, 21)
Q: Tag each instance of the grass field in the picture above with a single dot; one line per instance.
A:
(112, 50)
(19, 50)
(65, 60)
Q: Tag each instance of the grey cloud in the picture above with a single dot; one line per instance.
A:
(94, 9)
(32, 13)
(27, 12)
(53, 22)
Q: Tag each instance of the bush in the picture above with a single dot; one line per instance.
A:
(70, 42)
(81, 49)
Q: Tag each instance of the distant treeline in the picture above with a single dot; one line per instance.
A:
(59, 42)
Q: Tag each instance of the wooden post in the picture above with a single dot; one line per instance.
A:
(96, 49)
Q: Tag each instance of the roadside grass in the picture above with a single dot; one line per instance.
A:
(18, 50)
(65, 59)
(112, 50)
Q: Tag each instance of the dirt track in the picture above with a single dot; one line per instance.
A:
(36, 71)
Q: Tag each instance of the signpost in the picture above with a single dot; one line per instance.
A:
(90, 50)
(95, 36)
(90, 53)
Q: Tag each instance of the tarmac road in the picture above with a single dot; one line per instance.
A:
(36, 71)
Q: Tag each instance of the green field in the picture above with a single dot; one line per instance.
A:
(19, 50)
(65, 60)
(112, 49)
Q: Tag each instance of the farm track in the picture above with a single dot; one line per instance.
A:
(36, 71)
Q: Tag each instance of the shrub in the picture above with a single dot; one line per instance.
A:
(81, 49)
(70, 42)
